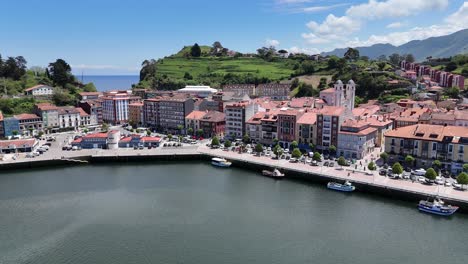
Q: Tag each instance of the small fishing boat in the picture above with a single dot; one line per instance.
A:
(273, 174)
(220, 162)
(345, 187)
(437, 207)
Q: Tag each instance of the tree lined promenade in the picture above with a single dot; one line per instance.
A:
(349, 173)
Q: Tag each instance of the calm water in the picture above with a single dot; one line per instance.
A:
(110, 82)
(193, 213)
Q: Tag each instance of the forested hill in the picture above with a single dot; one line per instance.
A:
(436, 47)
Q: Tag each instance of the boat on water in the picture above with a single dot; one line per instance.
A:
(437, 207)
(345, 187)
(220, 162)
(273, 174)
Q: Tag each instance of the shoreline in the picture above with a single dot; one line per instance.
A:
(381, 186)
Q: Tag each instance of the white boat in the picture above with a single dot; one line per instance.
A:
(220, 162)
(273, 174)
(346, 187)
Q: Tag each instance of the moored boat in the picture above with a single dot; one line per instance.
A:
(220, 162)
(273, 174)
(345, 187)
(437, 207)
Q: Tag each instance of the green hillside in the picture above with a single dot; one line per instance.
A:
(202, 67)
(182, 69)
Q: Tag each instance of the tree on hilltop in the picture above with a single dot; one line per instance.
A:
(60, 73)
(195, 51)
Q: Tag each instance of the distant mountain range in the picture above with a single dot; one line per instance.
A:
(437, 47)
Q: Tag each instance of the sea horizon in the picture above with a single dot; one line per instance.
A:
(109, 82)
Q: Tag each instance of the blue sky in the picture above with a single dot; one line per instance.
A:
(114, 37)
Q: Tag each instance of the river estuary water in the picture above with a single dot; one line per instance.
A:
(194, 213)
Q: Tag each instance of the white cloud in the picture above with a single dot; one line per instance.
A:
(454, 22)
(395, 25)
(315, 9)
(309, 51)
(394, 8)
(272, 42)
(338, 29)
(459, 18)
(334, 26)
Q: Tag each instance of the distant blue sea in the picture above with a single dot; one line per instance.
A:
(110, 82)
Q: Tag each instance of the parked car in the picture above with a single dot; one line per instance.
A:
(383, 172)
(419, 172)
(408, 169)
(406, 175)
(314, 163)
(439, 181)
(394, 176)
(293, 160)
(326, 163)
(30, 155)
(331, 164)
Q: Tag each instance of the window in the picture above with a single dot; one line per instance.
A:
(450, 148)
(434, 146)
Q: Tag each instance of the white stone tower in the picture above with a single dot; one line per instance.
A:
(344, 95)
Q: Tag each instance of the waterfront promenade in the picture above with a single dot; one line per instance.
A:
(58, 156)
(343, 173)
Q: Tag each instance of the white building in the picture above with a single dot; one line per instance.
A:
(39, 90)
(200, 91)
(69, 117)
(340, 95)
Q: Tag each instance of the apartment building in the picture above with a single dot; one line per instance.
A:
(287, 120)
(167, 113)
(240, 89)
(192, 120)
(237, 114)
(69, 117)
(307, 130)
(276, 91)
(135, 114)
(427, 143)
(213, 124)
(115, 106)
(29, 124)
(40, 90)
(172, 112)
(49, 114)
(94, 109)
(329, 120)
(356, 139)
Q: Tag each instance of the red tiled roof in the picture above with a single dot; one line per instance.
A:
(329, 90)
(332, 110)
(428, 132)
(26, 116)
(46, 106)
(4, 144)
(82, 112)
(213, 116)
(308, 118)
(96, 135)
(35, 87)
(196, 115)
(89, 93)
(363, 132)
(151, 139)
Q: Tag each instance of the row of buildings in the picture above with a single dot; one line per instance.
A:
(276, 91)
(434, 77)
(46, 117)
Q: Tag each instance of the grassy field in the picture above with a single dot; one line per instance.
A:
(176, 67)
